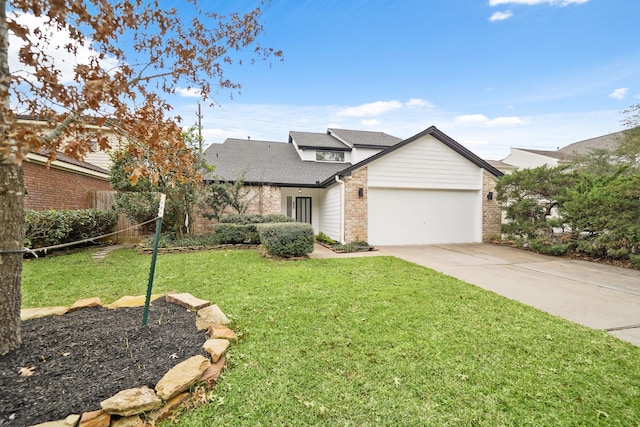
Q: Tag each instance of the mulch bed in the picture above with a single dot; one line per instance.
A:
(84, 357)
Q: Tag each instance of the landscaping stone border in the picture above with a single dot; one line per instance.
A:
(143, 406)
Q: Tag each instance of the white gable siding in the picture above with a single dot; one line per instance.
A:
(425, 163)
(360, 154)
(330, 212)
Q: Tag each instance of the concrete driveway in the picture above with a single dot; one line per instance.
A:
(594, 295)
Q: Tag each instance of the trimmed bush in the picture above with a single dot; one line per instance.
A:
(236, 229)
(234, 234)
(254, 219)
(55, 227)
(287, 239)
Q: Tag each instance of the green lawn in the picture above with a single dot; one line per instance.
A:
(370, 342)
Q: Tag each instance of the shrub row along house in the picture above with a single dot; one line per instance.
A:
(367, 186)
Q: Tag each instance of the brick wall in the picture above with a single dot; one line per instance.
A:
(356, 222)
(491, 212)
(58, 189)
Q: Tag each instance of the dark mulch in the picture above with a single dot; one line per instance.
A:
(87, 356)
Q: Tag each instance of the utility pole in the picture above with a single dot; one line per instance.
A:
(199, 132)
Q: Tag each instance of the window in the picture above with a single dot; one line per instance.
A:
(330, 156)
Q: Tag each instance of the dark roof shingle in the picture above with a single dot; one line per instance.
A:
(364, 138)
(266, 162)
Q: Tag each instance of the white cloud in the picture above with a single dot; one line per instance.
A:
(418, 103)
(371, 122)
(189, 92)
(560, 3)
(500, 16)
(482, 120)
(619, 93)
(371, 109)
(54, 48)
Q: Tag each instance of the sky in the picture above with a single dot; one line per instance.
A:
(491, 74)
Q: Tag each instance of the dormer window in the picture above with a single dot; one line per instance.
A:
(329, 156)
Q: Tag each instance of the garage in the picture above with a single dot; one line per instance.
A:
(398, 216)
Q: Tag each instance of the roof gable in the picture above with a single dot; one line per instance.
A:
(437, 134)
(317, 141)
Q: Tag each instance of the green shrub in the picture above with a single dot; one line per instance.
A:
(233, 234)
(546, 248)
(254, 219)
(55, 227)
(236, 229)
(323, 238)
(620, 253)
(635, 260)
(287, 239)
(353, 246)
(169, 240)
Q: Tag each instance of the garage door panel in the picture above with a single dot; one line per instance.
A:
(417, 217)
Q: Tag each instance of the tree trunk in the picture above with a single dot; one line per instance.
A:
(11, 239)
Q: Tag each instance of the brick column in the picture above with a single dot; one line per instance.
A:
(356, 222)
(491, 211)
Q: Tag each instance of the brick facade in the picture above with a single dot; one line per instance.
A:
(356, 221)
(491, 212)
(58, 189)
(263, 200)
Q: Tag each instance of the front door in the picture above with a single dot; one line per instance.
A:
(303, 209)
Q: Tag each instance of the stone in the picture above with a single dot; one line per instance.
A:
(221, 331)
(132, 401)
(129, 301)
(211, 315)
(98, 418)
(215, 347)
(171, 405)
(85, 303)
(210, 376)
(34, 313)
(70, 421)
(132, 421)
(182, 376)
(187, 300)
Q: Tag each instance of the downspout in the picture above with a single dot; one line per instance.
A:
(342, 201)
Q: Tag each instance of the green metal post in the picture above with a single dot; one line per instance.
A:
(153, 260)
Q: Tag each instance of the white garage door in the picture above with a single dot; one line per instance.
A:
(422, 217)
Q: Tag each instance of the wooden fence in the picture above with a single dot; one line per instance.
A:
(104, 200)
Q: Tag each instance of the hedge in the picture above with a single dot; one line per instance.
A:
(236, 229)
(287, 239)
(254, 219)
(54, 227)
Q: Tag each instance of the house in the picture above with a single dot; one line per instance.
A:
(371, 186)
(522, 158)
(65, 183)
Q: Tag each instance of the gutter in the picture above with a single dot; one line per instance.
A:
(342, 195)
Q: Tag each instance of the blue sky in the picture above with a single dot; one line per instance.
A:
(492, 74)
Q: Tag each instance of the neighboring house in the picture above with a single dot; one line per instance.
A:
(522, 158)
(503, 167)
(65, 184)
(358, 185)
(95, 157)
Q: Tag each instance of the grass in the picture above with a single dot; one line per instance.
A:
(370, 342)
